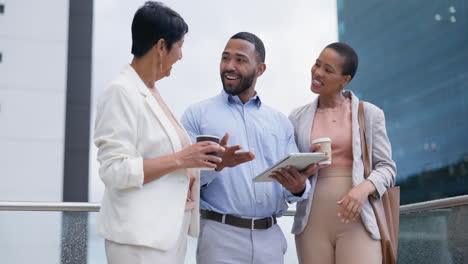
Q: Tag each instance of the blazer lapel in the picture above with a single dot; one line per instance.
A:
(164, 120)
(157, 110)
(356, 137)
(358, 169)
(306, 130)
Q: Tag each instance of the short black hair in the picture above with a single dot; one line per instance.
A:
(152, 22)
(256, 41)
(351, 58)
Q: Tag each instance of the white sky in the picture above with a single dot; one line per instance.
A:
(294, 32)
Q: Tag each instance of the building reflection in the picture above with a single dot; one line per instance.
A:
(414, 65)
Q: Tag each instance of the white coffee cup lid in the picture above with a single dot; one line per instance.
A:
(320, 140)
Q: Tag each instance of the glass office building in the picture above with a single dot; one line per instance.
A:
(414, 65)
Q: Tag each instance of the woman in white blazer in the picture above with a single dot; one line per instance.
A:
(336, 224)
(147, 164)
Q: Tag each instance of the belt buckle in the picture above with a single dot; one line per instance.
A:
(252, 226)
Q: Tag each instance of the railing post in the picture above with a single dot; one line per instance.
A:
(76, 164)
(74, 238)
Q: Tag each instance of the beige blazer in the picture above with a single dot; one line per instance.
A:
(130, 127)
(383, 167)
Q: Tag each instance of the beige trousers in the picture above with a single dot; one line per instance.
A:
(327, 240)
(125, 254)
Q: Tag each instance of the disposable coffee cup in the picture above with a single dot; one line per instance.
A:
(208, 138)
(325, 145)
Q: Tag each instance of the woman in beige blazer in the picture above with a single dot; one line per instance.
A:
(145, 154)
(336, 224)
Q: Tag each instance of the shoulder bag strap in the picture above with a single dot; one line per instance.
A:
(362, 132)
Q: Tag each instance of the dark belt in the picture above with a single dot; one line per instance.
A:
(249, 223)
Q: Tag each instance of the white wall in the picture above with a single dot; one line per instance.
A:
(33, 42)
(293, 33)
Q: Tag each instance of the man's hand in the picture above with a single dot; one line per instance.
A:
(293, 180)
(230, 157)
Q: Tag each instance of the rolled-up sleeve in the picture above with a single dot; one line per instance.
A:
(384, 168)
(115, 135)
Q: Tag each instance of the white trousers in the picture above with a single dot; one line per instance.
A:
(125, 254)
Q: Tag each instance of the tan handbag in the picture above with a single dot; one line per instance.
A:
(387, 212)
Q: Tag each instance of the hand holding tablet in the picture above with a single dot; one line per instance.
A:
(300, 161)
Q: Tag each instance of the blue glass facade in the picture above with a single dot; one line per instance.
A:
(414, 65)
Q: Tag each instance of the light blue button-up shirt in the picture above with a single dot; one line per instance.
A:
(257, 128)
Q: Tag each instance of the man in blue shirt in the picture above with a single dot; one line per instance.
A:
(238, 222)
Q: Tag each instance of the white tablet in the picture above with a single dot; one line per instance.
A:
(299, 161)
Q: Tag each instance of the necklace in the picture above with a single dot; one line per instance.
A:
(332, 113)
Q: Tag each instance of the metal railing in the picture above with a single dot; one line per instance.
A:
(94, 207)
(49, 206)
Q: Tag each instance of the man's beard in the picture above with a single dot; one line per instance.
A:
(244, 84)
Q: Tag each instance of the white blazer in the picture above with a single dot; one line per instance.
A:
(383, 171)
(130, 127)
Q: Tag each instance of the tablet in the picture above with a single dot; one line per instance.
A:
(299, 161)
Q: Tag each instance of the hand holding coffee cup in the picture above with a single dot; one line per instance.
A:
(195, 156)
(325, 146)
(215, 139)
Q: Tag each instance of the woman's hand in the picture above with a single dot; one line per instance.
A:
(195, 156)
(350, 206)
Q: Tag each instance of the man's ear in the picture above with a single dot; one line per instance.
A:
(261, 67)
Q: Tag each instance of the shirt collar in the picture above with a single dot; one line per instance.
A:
(234, 99)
